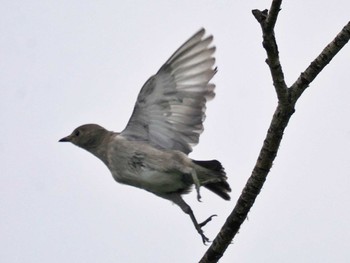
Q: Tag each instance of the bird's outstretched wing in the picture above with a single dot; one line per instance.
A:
(170, 108)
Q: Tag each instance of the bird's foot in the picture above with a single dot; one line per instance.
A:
(200, 231)
(198, 195)
(204, 238)
(196, 184)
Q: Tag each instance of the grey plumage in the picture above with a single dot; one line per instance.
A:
(151, 152)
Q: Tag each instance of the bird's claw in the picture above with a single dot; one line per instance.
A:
(200, 231)
(204, 239)
(199, 196)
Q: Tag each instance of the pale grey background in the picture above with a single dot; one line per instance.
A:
(66, 63)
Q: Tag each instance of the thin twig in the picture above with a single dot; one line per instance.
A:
(267, 22)
(316, 66)
(273, 14)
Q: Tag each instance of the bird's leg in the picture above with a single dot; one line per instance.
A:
(196, 183)
(177, 199)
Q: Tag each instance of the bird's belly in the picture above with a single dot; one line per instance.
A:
(154, 181)
(146, 167)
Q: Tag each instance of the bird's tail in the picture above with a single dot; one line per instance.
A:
(213, 177)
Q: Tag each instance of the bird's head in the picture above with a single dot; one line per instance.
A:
(88, 136)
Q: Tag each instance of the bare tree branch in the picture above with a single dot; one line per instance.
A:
(319, 63)
(267, 21)
(273, 13)
(287, 97)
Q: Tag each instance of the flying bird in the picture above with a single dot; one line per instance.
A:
(151, 153)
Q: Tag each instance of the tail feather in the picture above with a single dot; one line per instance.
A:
(220, 189)
(216, 170)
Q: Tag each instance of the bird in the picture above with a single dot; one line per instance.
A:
(151, 153)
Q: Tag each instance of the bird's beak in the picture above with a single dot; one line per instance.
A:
(66, 139)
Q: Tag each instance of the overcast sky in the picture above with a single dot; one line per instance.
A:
(67, 63)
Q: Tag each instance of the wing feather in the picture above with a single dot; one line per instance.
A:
(170, 108)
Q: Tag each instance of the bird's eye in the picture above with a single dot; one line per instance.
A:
(77, 133)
